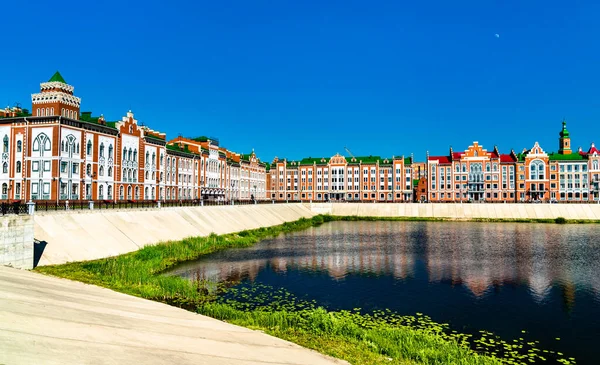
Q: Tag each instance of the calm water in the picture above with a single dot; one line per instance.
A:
(503, 278)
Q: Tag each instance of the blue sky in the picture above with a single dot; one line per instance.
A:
(306, 78)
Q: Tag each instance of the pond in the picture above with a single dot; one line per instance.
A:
(505, 278)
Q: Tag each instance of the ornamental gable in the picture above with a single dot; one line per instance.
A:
(475, 151)
(129, 125)
(338, 160)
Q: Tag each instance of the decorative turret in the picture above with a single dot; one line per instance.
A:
(56, 98)
(564, 142)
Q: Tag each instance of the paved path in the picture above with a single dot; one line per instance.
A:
(45, 320)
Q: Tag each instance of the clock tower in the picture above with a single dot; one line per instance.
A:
(564, 141)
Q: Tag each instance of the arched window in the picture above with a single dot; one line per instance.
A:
(110, 151)
(47, 111)
(153, 176)
(51, 111)
(121, 192)
(124, 154)
(147, 175)
(137, 192)
(109, 170)
(595, 165)
(147, 156)
(62, 112)
(109, 191)
(4, 189)
(41, 143)
(129, 192)
(101, 171)
(101, 149)
(88, 169)
(18, 166)
(19, 146)
(5, 168)
(5, 144)
(162, 159)
(89, 147)
(135, 155)
(153, 158)
(146, 191)
(77, 148)
(537, 170)
(130, 155)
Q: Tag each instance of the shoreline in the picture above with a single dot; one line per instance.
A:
(140, 273)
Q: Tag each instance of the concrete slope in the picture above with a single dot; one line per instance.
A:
(88, 235)
(46, 320)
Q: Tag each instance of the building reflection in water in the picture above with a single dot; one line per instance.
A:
(480, 256)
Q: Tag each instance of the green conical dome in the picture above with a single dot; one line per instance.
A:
(564, 133)
(57, 77)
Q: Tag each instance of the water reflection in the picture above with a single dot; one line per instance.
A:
(479, 256)
(504, 278)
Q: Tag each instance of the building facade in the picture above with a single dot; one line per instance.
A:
(533, 175)
(58, 153)
(338, 178)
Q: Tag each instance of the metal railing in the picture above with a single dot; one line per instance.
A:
(13, 208)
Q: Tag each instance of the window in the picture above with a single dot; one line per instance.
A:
(101, 171)
(63, 167)
(101, 149)
(110, 151)
(18, 166)
(5, 168)
(109, 170)
(75, 168)
(88, 170)
(19, 146)
(537, 170)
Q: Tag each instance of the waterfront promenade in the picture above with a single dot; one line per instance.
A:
(46, 320)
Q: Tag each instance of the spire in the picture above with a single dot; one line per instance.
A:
(57, 77)
(564, 133)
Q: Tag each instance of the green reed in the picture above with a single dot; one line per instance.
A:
(360, 338)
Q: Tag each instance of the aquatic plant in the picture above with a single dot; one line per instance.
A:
(361, 338)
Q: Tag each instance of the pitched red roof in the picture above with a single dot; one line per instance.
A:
(440, 159)
(493, 154)
(593, 149)
(457, 155)
(506, 158)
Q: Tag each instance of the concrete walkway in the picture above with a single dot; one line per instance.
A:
(45, 320)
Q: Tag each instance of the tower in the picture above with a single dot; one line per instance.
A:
(55, 98)
(564, 142)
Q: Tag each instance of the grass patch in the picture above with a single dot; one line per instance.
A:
(358, 338)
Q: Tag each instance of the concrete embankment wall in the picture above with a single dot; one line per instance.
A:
(16, 241)
(86, 235)
(461, 211)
